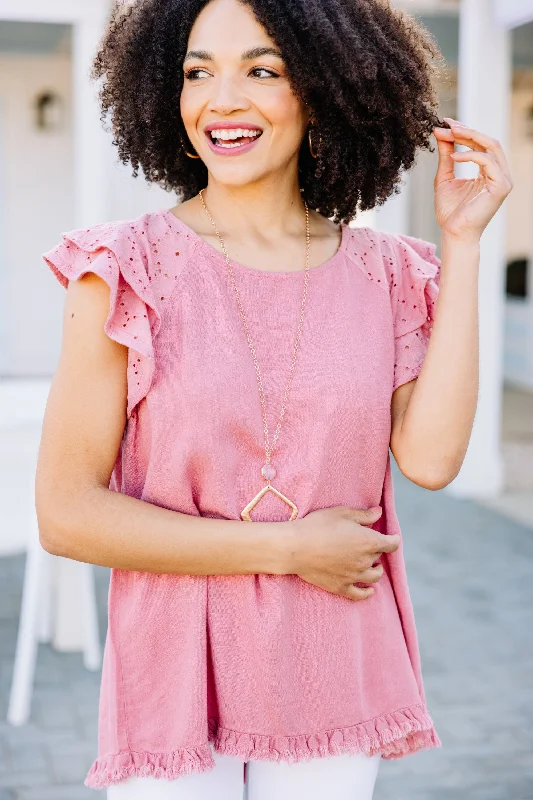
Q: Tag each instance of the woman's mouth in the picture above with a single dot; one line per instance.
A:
(232, 141)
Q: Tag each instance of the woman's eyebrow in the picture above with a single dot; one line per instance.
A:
(248, 55)
(257, 52)
(199, 55)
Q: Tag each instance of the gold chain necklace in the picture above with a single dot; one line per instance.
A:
(268, 471)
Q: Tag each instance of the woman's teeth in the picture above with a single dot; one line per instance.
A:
(227, 137)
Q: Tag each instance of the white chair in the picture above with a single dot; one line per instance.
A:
(42, 599)
(58, 597)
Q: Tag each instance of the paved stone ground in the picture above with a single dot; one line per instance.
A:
(471, 577)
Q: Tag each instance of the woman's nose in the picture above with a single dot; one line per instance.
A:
(227, 97)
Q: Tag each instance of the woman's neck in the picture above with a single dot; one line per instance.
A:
(275, 205)
(261, 225)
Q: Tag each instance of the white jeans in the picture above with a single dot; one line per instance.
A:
(339, 777)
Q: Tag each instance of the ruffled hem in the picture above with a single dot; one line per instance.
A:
(403, 373)
(115, 254)
(415, 286)
(116, 768)
(393, 735)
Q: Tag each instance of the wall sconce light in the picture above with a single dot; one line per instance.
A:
(48, 110)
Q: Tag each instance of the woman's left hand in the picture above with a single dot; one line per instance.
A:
(465, 206)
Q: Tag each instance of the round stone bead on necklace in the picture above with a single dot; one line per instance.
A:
(268, 472)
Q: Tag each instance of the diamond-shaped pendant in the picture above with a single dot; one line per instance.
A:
(246, 512)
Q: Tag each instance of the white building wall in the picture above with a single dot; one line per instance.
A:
(130, 197)
(36, 200)
(37, 204)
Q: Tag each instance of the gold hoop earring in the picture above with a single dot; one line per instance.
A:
(315, 155)
(191, 155)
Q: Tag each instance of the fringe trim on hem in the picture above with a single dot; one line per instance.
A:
(393, 735)
(116, 768)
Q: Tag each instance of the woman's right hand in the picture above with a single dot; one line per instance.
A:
(334, 549)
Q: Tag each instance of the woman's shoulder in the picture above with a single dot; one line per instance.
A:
(141, 260)
(389, 259)
(150, 232)
(407, 268)
(146, 252)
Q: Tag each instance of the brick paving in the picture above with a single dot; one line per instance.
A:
(471, 578)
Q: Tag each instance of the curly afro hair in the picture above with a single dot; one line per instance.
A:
(365, 69)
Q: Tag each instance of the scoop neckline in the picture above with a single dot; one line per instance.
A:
(244, 268)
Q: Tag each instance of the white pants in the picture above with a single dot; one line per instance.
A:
(339, 777)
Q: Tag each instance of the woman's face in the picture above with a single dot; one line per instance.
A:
(238, 108)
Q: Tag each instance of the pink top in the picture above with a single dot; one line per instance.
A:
(264, 666)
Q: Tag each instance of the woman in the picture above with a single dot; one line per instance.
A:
(193, 333)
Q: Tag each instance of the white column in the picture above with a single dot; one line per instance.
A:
(484, 104)
(92, 145)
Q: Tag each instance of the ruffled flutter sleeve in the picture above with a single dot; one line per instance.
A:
(133, 319)
(414, 277)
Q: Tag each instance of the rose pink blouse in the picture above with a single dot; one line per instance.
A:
(263, 666)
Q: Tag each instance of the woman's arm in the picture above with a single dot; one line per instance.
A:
(79, 516)
(432, 426)
(434, 414)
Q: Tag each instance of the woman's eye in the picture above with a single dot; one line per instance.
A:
(267, 73)
(195, 74)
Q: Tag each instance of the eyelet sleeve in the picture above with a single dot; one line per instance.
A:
(133, 319)
(414, 276)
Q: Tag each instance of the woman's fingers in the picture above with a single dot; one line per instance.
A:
(499, 182)
(445, 143)
(480, 141)
(386, 542)
(356, 593)
(371, 575)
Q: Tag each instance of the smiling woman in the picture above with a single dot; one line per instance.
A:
(288, 644)
(251, 82)
(364, 69)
